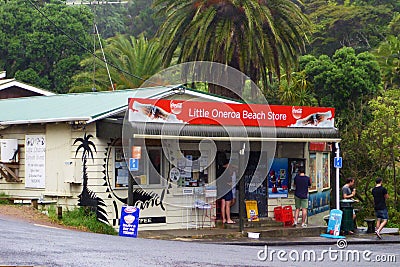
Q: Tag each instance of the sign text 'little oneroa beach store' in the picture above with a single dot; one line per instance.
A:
(218, 113)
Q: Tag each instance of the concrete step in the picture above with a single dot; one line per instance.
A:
(288, 231)
(263, 222)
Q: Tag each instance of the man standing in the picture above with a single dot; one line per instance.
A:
(348, 189)
(349, 192)
(380, 195)
(301, 182)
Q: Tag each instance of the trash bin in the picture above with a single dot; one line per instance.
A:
(347, 219)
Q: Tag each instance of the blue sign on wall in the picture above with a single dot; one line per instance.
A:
(129, 221)
(337, 162)
(133, 164)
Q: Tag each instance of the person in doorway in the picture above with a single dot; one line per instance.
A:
(233, 202)
(224, 177)
(302, 183)
(349, 192)
(380, 195)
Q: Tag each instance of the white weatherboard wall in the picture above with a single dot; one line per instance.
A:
(58, 147)
(19, 132)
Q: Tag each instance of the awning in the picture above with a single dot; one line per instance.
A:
(234, 133)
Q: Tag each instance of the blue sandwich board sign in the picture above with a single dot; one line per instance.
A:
(129, 221)
(335, 220)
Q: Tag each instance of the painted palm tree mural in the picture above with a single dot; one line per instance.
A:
(88, 198)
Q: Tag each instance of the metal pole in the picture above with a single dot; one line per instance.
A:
(130, 178)
(241, 190)
(337, 178)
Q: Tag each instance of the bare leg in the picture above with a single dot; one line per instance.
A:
(378, 223)
(296, 215)
(228, 212)
(223, 204)
(303, 216)
(384, 222)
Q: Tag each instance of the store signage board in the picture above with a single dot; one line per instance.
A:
(129, 222)
(217, 113)
(35, 161)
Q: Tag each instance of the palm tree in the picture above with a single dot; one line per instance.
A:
(388, 56)
(131, 61)
(297, 91)
(256, 37)
(88, 198)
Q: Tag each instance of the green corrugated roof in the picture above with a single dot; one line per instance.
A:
(71, 107)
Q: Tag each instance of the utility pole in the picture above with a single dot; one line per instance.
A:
(96, 34)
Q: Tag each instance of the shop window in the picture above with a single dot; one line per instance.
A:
(193, 171)
(149, 168)
(121, 171)
(313, 171)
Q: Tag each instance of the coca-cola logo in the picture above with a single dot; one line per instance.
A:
(176, 107)
(130, 209)
(297, 112)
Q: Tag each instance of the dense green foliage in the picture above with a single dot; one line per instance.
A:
(38, 51)
(134, 18)
(343, 80)
(361, 27)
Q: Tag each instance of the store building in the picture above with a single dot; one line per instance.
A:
(83, 149)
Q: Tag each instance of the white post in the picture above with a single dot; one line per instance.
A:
(337, 179)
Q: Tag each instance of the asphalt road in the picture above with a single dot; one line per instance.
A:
(26, 244)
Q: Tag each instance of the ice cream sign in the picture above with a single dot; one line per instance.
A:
(129, 221)
(217, 113)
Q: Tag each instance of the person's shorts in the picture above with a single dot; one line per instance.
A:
(382, 214)
(228, 196)
(300, 203)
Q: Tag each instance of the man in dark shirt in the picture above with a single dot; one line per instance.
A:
(302, 182)
(349, 192)
(380, 195)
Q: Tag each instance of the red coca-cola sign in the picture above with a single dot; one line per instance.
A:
(176, 107)
(217, 113)
(297, 112)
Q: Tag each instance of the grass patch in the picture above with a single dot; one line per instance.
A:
(3, 199)
(82, 218)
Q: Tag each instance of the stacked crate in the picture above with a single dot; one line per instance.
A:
(284, 214)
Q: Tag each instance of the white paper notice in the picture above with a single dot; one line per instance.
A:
(35, 161)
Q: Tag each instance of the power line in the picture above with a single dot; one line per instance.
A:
(85, 48)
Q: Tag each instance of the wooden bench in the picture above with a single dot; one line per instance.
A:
(371, 225)
(21, 200)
